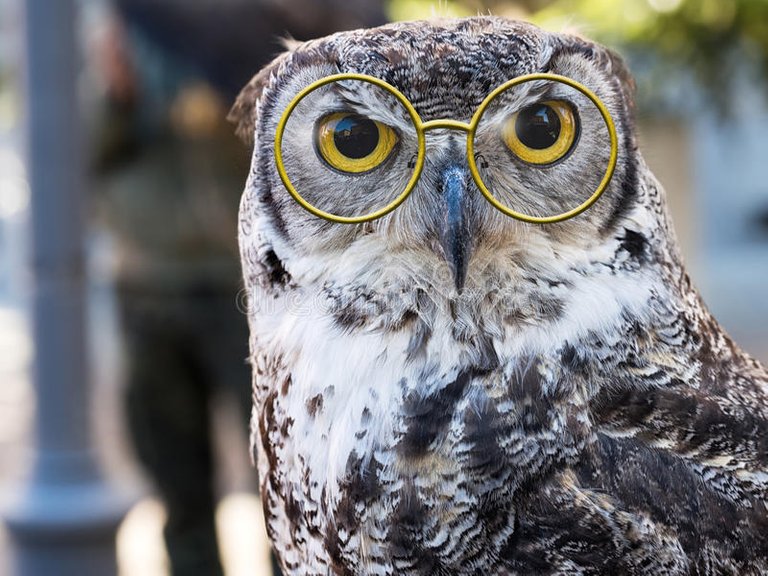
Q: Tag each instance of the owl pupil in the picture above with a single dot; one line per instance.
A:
(538, 126)
(356, 137)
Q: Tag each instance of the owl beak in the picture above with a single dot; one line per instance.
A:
(455, 237)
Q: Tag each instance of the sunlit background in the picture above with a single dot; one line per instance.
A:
(702, 78)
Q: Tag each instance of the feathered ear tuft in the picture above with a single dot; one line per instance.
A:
(621, 71)
(290, 43)
(244, 111)
(606, 58)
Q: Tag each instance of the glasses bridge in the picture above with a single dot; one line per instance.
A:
(447, 124)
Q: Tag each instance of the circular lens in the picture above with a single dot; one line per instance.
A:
(352, 143)
(543, 148)
(347, 148)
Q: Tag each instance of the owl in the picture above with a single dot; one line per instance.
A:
(475, 346)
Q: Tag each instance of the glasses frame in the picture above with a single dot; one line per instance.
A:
(421, 129)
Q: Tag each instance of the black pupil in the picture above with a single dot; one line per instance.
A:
(538, 126)
(355, 137)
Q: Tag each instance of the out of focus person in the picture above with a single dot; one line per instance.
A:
(168, 176)
(169, 172)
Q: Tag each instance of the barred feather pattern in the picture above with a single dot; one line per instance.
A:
(575, 409)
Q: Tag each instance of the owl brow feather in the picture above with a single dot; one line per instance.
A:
(363, 99)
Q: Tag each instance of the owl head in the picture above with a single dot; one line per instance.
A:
(349, 148)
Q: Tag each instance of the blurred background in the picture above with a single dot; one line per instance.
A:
(158, 392)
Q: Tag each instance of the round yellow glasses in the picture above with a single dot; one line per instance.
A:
(523, 147)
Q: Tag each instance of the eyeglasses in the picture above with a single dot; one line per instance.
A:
(534, 121)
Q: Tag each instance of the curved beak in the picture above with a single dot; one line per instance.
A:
(455, 237)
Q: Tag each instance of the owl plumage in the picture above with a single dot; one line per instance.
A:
(567, 406)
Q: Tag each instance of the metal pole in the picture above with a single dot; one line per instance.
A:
(63, 521)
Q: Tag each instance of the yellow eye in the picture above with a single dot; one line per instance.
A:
(353, 143)
(542, 133)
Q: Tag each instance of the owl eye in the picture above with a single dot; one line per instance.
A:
(353, 143)
(542, 133)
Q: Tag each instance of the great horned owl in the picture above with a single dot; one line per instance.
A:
(448, 389)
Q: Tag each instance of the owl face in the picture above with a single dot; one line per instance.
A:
(350, 147)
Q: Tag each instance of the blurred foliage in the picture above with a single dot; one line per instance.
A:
(8, 102)
(707, 37)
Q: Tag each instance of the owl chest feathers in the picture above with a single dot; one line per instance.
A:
(397, 433)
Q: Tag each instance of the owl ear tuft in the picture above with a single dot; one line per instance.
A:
(244, 111)
(604, 58)
(620, 70)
